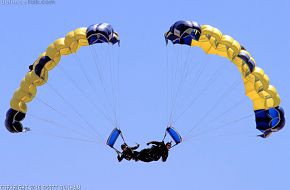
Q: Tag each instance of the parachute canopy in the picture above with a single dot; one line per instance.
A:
(38, 75)
(266, 100)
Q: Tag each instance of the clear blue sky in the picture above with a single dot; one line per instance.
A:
(228, 158)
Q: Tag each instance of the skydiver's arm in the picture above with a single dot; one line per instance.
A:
(155, 143)
(135, 147)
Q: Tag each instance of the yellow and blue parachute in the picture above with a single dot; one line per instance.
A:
(38, 75)
(266, 101)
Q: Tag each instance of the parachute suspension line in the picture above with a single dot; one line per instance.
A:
(93, 87)
(80, 65)
(52, 108)
(100, 77)
(67, 137)
(113, 83)
(228, 123)
(227, 92)
(114, 68)
(195, 81)
(168, 87)
(112, 80)
(210, 82)
(165, 134)
(212, 108)
(227, 134)
(60, 125)
(173, 74)
(184, 69)
(118, 81)
(75, 110)
(217, 136)
(239, 119)
(87, 97)
(229, 109)
(62, 114)
(234, 105)
(221, 126)
(176, 70)
(186, 65)
(99, 74)
(198, 75)
(217, 103)
(170, 91)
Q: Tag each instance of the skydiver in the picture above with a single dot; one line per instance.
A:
(128, 153)
(158, 150)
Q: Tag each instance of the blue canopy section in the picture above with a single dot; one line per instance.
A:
(174, 135)
(183, 32)
(101, 33)
(272, 119)
(113, 137)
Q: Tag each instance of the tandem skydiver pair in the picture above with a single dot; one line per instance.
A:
(159, 149)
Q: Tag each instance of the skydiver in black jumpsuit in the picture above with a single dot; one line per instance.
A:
(128, 153)
(158, 150)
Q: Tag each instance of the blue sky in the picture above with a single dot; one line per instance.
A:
(227, 158)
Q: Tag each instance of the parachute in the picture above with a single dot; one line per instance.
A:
(269, 115)
(38, 74)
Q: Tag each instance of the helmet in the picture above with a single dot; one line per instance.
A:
(168, 143)
(124, 146)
